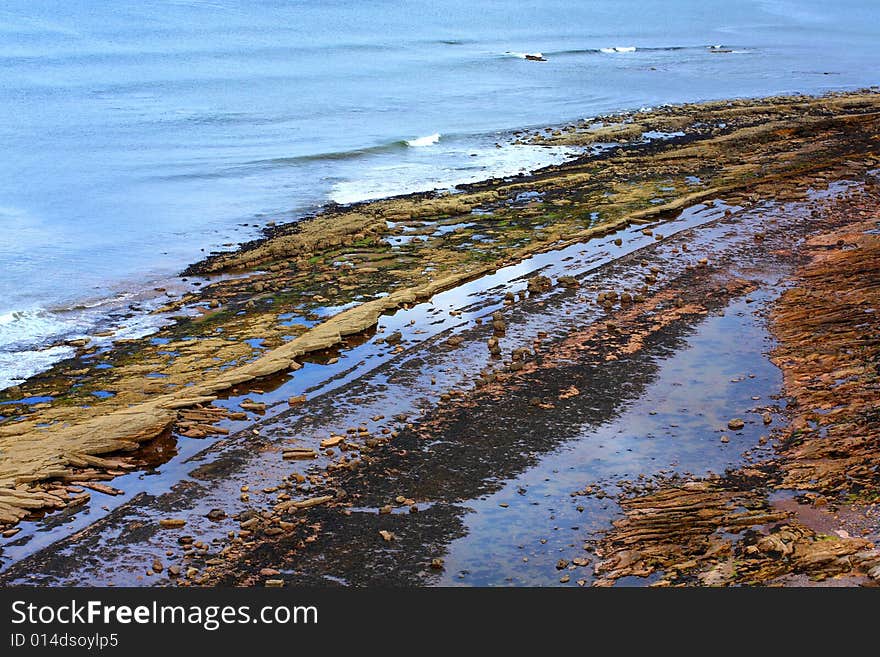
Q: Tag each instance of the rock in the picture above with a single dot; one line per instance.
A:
(568, 281)
(298, 453)
(724, 439)
(332, 441)
(767, 418)
(735, 424)
(385, 509)
(386, 535)
(538, 284)
(173, 571)
(564, 579)
(562, 564)
(172, 523)
(216, 514)
(253, 523)
(618, 242)
(437, 564)
(269, 572)
(394, 338)
(298, 399)
(157, 566)
(274, 583)
(874, 573)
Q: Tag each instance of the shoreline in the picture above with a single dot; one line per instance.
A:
(418, 468)
(542, 213)
(535, 135)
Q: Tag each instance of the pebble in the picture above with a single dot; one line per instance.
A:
(724, 439)
(735, 424)
(172, 523)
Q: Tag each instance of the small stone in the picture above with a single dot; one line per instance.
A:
(174, 571)
(562, 564)
(332, 441)
(172, 523)
(386, 535)
(385, 509)
(157, 566)
(269, 572)
(437, 564)
(565, 579)
(275, 583)
(216, 514)
(298, 399)
(724, 439)
(735, 424)
(767, 418)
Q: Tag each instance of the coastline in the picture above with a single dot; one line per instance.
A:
(368, 260)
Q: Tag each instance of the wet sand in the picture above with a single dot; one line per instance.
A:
(410, 454)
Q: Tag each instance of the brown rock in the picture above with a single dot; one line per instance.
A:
(172, 523)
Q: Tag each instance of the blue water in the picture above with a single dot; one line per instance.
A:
(137, 136)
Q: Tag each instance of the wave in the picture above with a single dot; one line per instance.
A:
(18, 366)
(628, 49)
(20, 329)
(428, 140)
(525, 55)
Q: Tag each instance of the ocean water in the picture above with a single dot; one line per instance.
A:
(138, 136)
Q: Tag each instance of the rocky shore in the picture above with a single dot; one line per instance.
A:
(355, 378)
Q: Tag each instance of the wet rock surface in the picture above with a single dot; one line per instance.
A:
(419, 469)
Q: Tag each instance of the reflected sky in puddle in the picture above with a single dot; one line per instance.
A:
(675, 426)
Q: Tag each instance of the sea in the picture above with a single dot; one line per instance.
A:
(139, 136)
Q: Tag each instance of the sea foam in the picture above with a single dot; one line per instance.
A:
(428, 140)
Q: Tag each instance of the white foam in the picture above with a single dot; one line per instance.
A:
(617, 49)
(422, 174)
(525, 55)
(23, 328)
(17, 366)
(429, 140)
